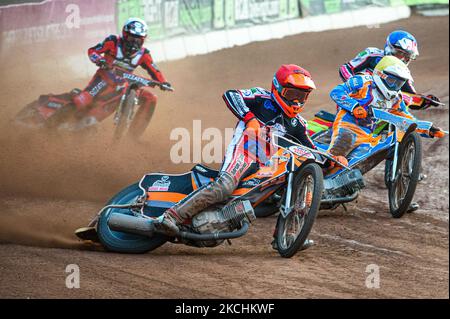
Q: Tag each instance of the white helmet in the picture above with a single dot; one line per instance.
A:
(389, 75)
(134, 33)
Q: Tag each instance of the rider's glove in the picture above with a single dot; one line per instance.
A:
(436, 132)
(101, 63)
(253, 127)
(427, 103)
(359, 112)
(166, 86)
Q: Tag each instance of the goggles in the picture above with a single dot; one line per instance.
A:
(134, 42)
(403, 55)
(295, 95)
(393, 82)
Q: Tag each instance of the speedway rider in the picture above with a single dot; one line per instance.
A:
(400, 44)
(354, 123)
(127, 52)
(256, 109)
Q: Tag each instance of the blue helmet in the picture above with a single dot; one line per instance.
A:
(403, 45)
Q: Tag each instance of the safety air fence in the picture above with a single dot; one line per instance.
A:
(179, 28)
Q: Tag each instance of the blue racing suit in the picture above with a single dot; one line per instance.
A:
(349, 131)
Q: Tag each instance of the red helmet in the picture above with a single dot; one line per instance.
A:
(291, 86)
(134, 33)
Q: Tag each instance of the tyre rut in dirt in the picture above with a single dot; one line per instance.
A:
(124, 118)
(401, 191)
(122, 242)
(308, 180)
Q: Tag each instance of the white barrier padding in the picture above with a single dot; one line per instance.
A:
(238, 36)
(260, 33)
(195, 44)
(216, 40)
(174, 48)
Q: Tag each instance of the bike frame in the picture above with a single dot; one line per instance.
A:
(399, 126)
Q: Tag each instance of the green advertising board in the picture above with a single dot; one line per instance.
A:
(168, 18)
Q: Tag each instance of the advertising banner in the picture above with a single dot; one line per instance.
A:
(55, 24)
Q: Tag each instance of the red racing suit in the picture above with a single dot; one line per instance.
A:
(105, 88)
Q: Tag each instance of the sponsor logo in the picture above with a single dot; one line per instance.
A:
(301, 152)
(161, 185)
(237, 101)
(54, 105)
(124, 64)
(362, 53)
(239, 166)
(407, 44)
(251, 183)
(269, 106)
(247, 92)
(97, 88)
(294, 122)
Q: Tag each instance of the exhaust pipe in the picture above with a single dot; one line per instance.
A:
(141, 226)
(131, 224)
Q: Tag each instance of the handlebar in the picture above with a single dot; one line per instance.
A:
(275, 136)
(431, 100)
(136, 79)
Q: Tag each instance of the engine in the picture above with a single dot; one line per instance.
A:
(222, 219)
(345, 184)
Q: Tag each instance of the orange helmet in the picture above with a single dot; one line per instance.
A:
(291, 86)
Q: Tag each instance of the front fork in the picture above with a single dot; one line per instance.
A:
(394, 163)
(119, 109)
(287, 207)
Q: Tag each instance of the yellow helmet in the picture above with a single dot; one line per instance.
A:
(389, 75)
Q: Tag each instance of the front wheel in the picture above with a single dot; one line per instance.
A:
(401, 190)
(293, 230)
(126, 116)
(123, 242)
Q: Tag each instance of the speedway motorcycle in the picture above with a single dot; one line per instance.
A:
(396, 140)
(58, 112)
(127, 223)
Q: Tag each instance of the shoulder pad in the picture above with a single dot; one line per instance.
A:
(248, 93)
(112, 38)
(374, 51)
(357, 82)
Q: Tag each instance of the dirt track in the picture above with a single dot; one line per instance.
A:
(52, 185)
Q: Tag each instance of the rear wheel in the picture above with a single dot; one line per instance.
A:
(402, 189)
(124, 242)
(29, 116)
(293, 230)
(65, 114)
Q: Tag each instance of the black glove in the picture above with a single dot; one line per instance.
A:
(101, 63)
(166, 86)
(427, 103)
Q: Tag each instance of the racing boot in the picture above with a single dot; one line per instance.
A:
(413, 207)
(168, 225)
(215, 192)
